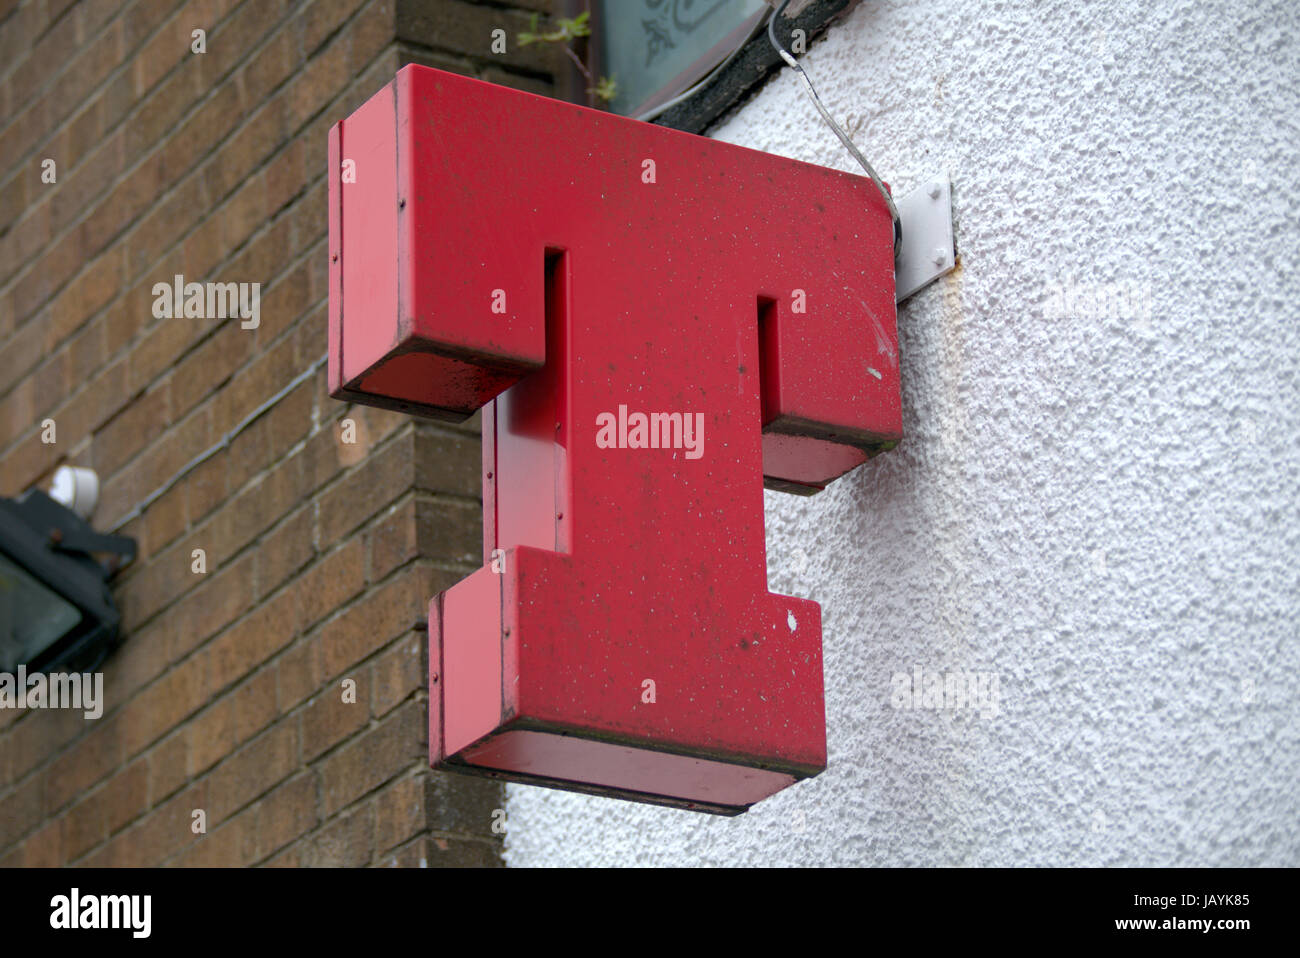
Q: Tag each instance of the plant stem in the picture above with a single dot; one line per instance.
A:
(591, 83)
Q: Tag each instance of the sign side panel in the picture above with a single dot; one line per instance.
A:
(369, 208)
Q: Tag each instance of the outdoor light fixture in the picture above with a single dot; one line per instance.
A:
(56, 611)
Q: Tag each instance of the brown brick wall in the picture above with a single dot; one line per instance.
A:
(226, 695)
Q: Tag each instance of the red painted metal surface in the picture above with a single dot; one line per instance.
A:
(565, 270)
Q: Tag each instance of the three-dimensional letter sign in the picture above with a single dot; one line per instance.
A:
(655, 325)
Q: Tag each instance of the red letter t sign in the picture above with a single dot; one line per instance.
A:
(654, 325)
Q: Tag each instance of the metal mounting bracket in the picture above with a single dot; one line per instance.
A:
(928, 251)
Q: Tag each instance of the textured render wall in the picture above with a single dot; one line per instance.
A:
(1097, 496)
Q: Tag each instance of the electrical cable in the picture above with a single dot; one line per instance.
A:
(844, 137)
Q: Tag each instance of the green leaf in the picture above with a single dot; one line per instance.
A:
(606, 89)
(566, 28)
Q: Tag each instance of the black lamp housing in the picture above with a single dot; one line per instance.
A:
(56, 611)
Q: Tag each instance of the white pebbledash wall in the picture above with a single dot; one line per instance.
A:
(1098, 497)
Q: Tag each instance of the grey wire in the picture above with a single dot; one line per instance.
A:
(844, 137)
(225, 441)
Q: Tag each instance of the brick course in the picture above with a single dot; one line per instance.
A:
(228, 692)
